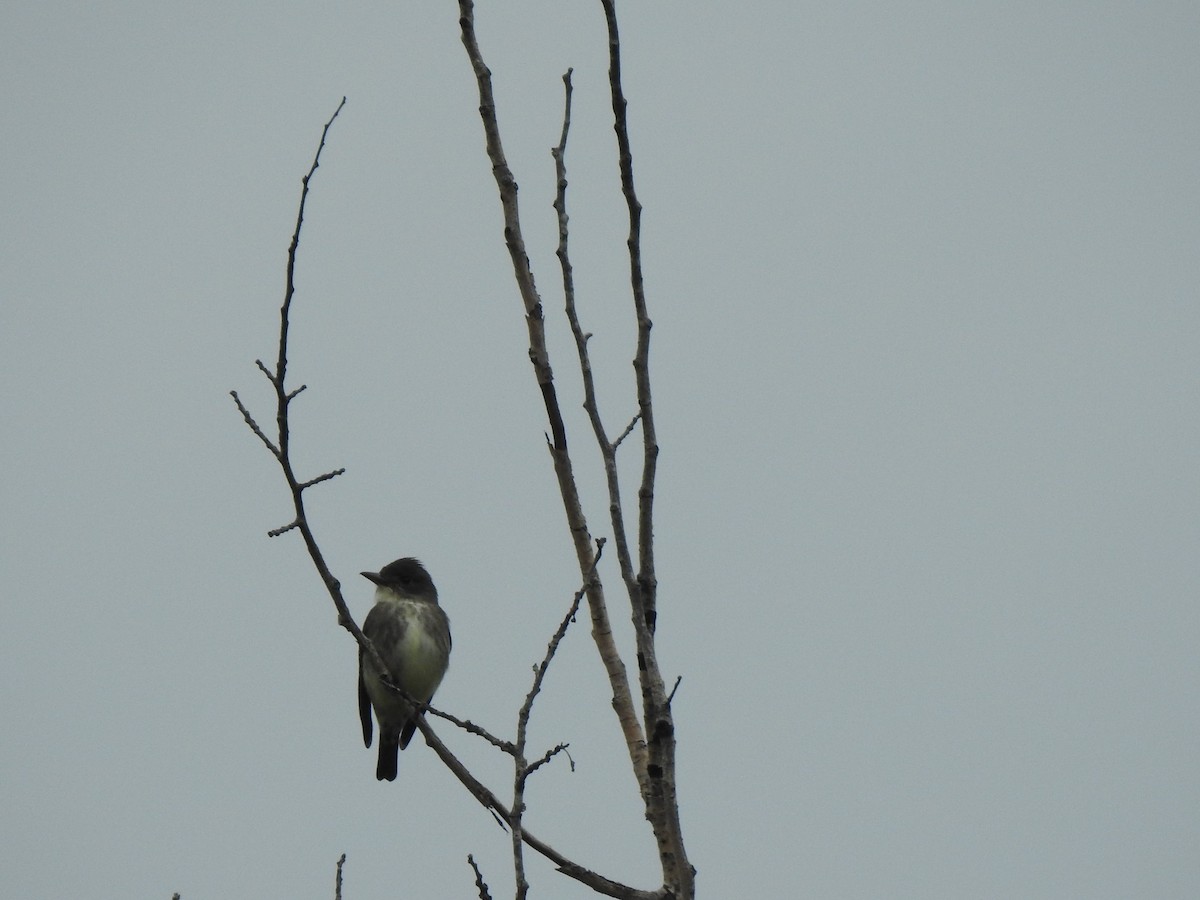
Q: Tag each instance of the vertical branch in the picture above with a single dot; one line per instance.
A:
(662, 806)
(513, 239)
(608, 448)
(538, 354)
(647, 581)
(284, 397)
(337, 884)
(480, 884)
(521, 765)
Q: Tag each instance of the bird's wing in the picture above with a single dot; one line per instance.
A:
(364, 702)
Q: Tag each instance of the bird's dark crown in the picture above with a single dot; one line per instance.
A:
(407, 576)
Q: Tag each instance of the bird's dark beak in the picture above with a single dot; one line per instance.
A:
(372, 576)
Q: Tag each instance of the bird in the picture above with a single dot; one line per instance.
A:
(411, 633)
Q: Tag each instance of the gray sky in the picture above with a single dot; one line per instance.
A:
(924, 282)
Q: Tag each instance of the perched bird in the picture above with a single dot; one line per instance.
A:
(412, 635)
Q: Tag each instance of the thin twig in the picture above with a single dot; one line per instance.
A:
(545, 758)
(254, 425)
(674, 688)
(276, 532)
(281, 447)
(555, 640)
(480, 884)
(471, 728)
(337, 885)
(328, 475)
(521, 767)
(628, 431)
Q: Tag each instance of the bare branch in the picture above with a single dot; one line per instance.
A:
(658, 793)
(280, 449)
(337, 885)
(522, 768)
(628, 431)
(471, 728)
(653, 760)
(254, 425)
(326, 477)
(674, 688)
(608, 449)
(276, 532)
(262, 367)
(662, 805)
(545, 758)
(480, 884)
(552, 647)
(576, 521)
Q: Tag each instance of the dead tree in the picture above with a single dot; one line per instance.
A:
(648, 731)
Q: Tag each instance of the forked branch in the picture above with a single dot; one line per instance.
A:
(576, 521)
(651, 743)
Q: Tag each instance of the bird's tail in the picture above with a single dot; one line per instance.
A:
(389, 752)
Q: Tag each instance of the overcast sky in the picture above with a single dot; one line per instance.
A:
(924, 282)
